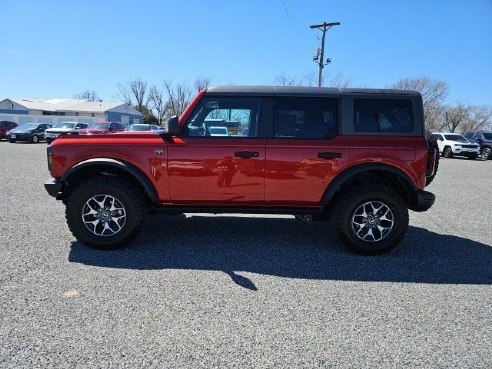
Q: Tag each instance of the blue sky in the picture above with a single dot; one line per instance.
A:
(59, 48)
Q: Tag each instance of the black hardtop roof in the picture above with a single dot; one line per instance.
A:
(301, 90)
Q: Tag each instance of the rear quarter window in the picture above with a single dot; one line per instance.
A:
(383, 116)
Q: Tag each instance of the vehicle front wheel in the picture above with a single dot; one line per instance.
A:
(34, 139)
(105, 212)
(370, 219)
(447, 152)
(485, 153)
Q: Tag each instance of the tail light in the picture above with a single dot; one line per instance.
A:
(431, 162)
(49, 157)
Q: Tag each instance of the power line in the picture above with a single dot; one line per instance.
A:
(291, 21)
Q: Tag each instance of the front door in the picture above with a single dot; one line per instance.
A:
(218, 158)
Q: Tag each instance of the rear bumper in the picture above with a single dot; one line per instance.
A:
(423, 201)
(53, 187)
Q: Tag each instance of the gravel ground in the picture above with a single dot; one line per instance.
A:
(198, 291)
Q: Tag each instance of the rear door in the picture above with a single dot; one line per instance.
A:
(223, 170)
(305, 152)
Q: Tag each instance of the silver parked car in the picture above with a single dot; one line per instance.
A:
(63, 128)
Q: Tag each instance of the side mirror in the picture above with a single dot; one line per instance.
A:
(173, 126)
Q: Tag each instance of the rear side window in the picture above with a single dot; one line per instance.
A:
(315, 118)
(383, 115)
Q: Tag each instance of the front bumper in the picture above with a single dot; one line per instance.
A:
(20, 137)
(423, 201)
(53, 187)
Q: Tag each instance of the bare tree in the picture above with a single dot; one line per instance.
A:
(456, 116)
(479, 118)
(339, 80)
(134, 92)
(310, 80)
(179, 96)
(158, 103)
(201, 83)
(434, 93)
(286, 80)
(89, 95)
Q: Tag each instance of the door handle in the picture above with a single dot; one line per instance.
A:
(246, 154)
(329, 155)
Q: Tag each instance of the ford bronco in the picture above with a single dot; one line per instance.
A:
(358, 157)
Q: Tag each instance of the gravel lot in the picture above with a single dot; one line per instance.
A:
(220, 291)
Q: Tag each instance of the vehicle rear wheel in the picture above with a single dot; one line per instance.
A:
(485, 153)
(447, 152)
(370, 219)
(105, 212)
(34, 139)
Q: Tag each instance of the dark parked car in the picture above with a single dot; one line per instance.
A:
(30, 132)
(484, 139)
(6, 126)
(101, 128)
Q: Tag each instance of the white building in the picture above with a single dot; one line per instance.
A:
(52, 111)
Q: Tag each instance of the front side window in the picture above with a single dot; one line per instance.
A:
(383, 115)
(315, 118)
(225, 117)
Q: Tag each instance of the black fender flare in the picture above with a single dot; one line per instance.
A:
(352, 172)
(131, 169)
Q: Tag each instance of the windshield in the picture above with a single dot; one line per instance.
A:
(65, 125)
(99, 125)
(28, 126)
(487, 136)
(458, 138)
(138, 127)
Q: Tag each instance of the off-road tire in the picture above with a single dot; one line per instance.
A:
(128, 195)
(352, 199)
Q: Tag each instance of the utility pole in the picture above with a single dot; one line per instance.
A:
(319, 57)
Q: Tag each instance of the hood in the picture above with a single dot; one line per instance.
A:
(21, 130)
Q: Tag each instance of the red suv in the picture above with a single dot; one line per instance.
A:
(102, 128)
(358, 157)
(6, 126)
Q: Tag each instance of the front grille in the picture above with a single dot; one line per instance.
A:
(469, 146)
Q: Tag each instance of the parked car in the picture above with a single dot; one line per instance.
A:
(218, 131)
(65, 128)
(451, 144)
(358, 157)
(30, 132)
(143, 127)
(484, 139)
(6, 126)
(100, 128)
